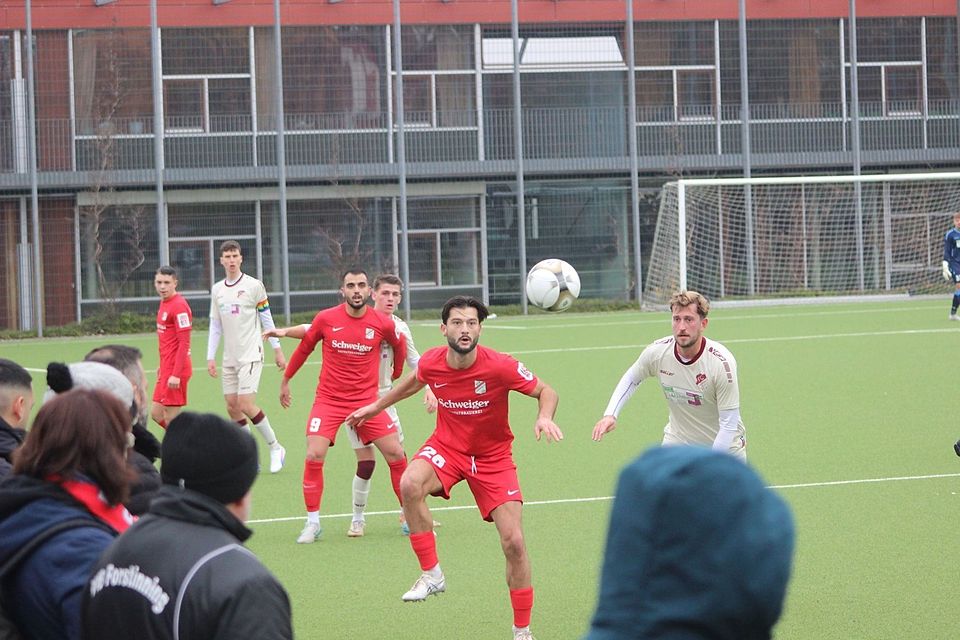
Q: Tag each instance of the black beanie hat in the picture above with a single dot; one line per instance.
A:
(205, 453)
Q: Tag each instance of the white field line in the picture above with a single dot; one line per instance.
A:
(821, 336)
(531, 503)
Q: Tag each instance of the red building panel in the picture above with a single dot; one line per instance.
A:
(64, 14)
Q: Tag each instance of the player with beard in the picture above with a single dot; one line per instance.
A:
(699, 380)
(472, 442)
(351, 334)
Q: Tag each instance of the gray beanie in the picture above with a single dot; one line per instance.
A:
(88, 375)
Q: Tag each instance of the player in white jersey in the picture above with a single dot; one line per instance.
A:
(387, 293)
(698, 377)
(240, 312)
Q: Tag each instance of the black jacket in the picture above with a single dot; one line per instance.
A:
(188, 545)
(10, 438)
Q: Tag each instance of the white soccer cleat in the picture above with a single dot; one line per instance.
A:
(356, 529)
(309, 534)
(423, 587)
(953, 316)
(277, 456)
(522, 633)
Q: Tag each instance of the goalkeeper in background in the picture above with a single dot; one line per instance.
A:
(951, 263)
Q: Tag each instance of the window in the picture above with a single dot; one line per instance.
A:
(695, 94)
(438, 100)
(904, 89)
(553, 53)
(184, 107)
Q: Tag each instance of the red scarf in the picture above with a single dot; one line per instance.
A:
(90, 497)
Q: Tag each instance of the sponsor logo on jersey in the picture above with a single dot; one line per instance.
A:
(335, 329)
(368, 334)
(685, 396)
(351, 346)
(234, 309)
(163, 316)
(717, 354)
(479, 387)
(463, 404)
(665, 372)
(524, 372)
(700, 378)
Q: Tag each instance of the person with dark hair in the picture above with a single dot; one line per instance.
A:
(386, 295)
(182, 571)
(16, 400)
(71, 471)
(351, 334)
(146, 448)
(240, 312)
(174, 324)
(472, 442)
(697, 548)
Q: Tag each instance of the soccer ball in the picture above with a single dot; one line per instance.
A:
(553, 285)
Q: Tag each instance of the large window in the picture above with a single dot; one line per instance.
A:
(889, 66)
(112, 87)
(676, 71)
(206, 80)
(439, 87)
(445, 246)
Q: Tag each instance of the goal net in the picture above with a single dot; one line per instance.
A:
(784, 237)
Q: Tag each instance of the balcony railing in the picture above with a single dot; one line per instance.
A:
(561, 139)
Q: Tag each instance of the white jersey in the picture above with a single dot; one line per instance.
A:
(238, 307)
(696, 391)
(386, 357)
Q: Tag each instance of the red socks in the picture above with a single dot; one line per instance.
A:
(312, 484)
(425, 546)
(397, 467)
(522, 601)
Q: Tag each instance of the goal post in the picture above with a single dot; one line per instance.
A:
(849, 236)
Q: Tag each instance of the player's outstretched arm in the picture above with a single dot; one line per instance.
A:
(606, 424)
(403, 389)
(548, 401)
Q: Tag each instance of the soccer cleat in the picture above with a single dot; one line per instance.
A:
(953, 316)
(309, 534)
(522, 633)
(356, 529)
(405, 528)
(423, 587)
(277, 456)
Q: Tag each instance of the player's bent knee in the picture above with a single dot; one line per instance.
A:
(513, 544)
(412, 489)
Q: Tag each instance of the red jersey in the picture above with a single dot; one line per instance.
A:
(472, 411)
(174, 323)
(351, 353)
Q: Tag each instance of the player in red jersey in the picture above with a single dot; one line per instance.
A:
(174, 323)
(472, 442)
(351, 334)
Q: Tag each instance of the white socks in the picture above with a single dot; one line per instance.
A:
(267, 432)
(361, 489)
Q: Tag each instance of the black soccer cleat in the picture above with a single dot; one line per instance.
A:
(956, 447)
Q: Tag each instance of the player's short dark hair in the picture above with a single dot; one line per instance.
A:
(121, 357)
(462, 302)
(387, 278)
(167, 270)
(353, 271)
(230, 245)
(13, 376)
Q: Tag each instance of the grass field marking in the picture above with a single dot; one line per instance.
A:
(530, 503)
(836, 483)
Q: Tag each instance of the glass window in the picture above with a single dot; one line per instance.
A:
(673, 43)
(886, 39)
(695, 94)
(194, 264)
(183, 105)
(205, 51)
(118, 252)
(229, 100)
(554, 52)
(942, 81)
(424, 262)
(904, 89)
(460, 258)
(437, 47)
(417, 100)
(655, 96)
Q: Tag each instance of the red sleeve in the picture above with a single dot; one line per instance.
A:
(184, 329)
(517, 376)
(399, 343)
(310, 339)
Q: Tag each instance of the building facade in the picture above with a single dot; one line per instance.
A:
(107, 216)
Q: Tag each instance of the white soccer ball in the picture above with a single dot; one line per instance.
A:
(553, 285)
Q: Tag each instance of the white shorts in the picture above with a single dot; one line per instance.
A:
(242, 379)
(355, 440)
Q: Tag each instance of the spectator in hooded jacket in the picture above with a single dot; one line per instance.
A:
(16, 400)
(182, 571)
(71, 467)
(698, 549)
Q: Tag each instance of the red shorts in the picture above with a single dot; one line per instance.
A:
(326, 417)
(492, 479)
(162, 394)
